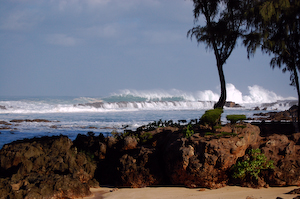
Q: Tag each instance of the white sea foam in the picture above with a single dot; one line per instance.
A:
(206, 95)
(133, 100)
(257, 94)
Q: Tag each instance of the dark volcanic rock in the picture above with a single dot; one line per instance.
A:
(295, 191)
(92, 144)
(199, 161)
(2, 107)
(288, 115)
(140, 170)
(256, 108)
(28, 120)
(204, 162)
(271, 128)
(286, 156)
(94, 104)
(56, 167)
(5, 123)
(47, 167)
(123, 162)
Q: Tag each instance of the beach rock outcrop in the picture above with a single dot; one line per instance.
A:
(93, 104)
(232, 104)
(286, 156)
(5, 125)
(28, 120)
(288, 115)
(56, 167)
(295, 191)
(204, 161)
(47, 167)
(127, 161)
(140, 168)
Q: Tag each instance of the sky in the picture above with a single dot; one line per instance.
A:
(99, 47)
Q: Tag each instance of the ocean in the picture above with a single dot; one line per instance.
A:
(127, 109)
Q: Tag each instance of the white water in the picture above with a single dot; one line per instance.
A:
(132, 100)
(127, 107)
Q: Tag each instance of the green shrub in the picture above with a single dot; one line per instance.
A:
(212, 117)
(252, 165)
(234, 118)
(188, 132)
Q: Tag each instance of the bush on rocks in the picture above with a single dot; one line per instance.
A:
(211, 117)
(234, 118)
(249, 168)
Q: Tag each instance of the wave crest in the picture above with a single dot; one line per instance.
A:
(133, 100)
(257, 94)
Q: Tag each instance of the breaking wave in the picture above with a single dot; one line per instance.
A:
(257, 94)
(133, 100)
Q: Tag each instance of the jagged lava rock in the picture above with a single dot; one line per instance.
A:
(56, 168)
(47, 167)
(286, 156)
(205, 161)
(199, 161)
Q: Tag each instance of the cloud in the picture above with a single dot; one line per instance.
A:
(61, 40)
(78, 5)
(20, 20)
(115, 7)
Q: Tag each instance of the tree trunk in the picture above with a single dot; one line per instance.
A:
(222, 99)
(298, 92)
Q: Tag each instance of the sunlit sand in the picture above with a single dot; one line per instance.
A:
(229, 192)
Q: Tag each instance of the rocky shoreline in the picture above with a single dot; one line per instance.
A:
(56, 167)
(288, 115)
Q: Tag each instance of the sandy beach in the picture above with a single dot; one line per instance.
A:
(229, 192)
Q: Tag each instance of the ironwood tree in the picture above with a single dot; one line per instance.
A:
(274, 26)
(220, 31)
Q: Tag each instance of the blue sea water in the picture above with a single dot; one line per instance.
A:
(72, 115)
